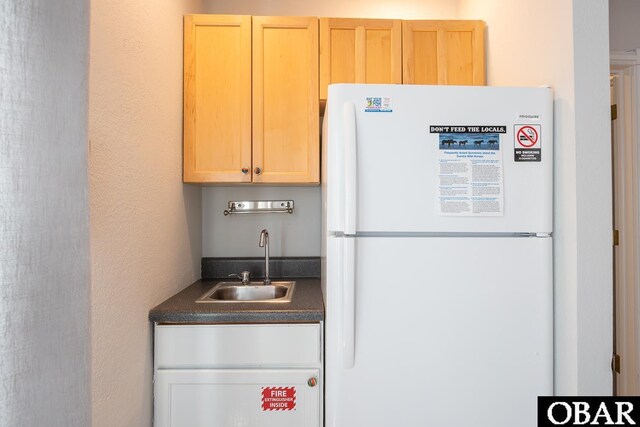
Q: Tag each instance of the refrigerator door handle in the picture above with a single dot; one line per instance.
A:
(348, 304)
(350, 168)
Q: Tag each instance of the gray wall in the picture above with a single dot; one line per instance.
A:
(593, 247)
(44, 214)
(297, 234)
(624, 31)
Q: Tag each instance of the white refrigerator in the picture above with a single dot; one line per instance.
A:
(437, 255)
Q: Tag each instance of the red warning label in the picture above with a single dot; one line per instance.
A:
(278, 398)
(528, 136)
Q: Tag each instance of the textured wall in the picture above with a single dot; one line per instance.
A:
(44, 214)
(565, 45)
(145, 224)
(398, 9)
(298, 234)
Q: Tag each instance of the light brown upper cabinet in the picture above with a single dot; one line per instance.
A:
(217, 98)
(251, 117)
(359, 51)
(286, 133)
(443, 52)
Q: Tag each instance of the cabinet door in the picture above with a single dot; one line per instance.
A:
(443, 52)
(217, 98)
(285, 100)
(359, 51)
(248, 398)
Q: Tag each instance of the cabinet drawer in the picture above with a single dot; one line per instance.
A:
(211, 346)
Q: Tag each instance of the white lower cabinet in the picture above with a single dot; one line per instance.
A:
(230, 398)
(238, 375)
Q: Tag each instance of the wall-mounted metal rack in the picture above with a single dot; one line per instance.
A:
(259, 206)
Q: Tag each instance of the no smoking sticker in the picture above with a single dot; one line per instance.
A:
(526, 144)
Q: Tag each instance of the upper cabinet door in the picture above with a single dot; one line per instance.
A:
(286, 145)
(359, 51)
(443, 52)
(217, 98)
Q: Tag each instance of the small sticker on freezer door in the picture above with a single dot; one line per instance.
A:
(377, 104)
(469, 170)
(278, 398)
(527, 145)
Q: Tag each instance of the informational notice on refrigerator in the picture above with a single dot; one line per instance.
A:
(470, 170)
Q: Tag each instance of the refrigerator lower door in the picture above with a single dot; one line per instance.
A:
(447, 332)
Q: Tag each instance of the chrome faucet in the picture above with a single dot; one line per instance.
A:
(264, 243)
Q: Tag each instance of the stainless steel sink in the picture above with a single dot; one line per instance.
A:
(253, 292)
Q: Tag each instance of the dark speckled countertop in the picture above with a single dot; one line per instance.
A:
(306, 305)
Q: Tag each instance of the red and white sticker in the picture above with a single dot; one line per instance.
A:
(278, 398)
(528, 136)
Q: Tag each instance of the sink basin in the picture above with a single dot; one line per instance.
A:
(253, 292)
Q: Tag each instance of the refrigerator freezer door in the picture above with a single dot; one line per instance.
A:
(448, 332)
(400, 174)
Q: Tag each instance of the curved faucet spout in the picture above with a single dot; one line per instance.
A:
(264, 243)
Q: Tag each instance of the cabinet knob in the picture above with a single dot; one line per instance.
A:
(258, 171)
(312, 382)
(245, 170)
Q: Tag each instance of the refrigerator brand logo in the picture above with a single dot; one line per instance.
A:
(378, 105)
(592, 411)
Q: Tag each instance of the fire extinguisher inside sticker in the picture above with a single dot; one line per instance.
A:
(278, 398)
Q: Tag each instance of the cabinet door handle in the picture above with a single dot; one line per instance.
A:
(312, 382)
(258, 171)
(245, 170)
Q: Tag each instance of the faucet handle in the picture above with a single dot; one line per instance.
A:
(244, 276)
